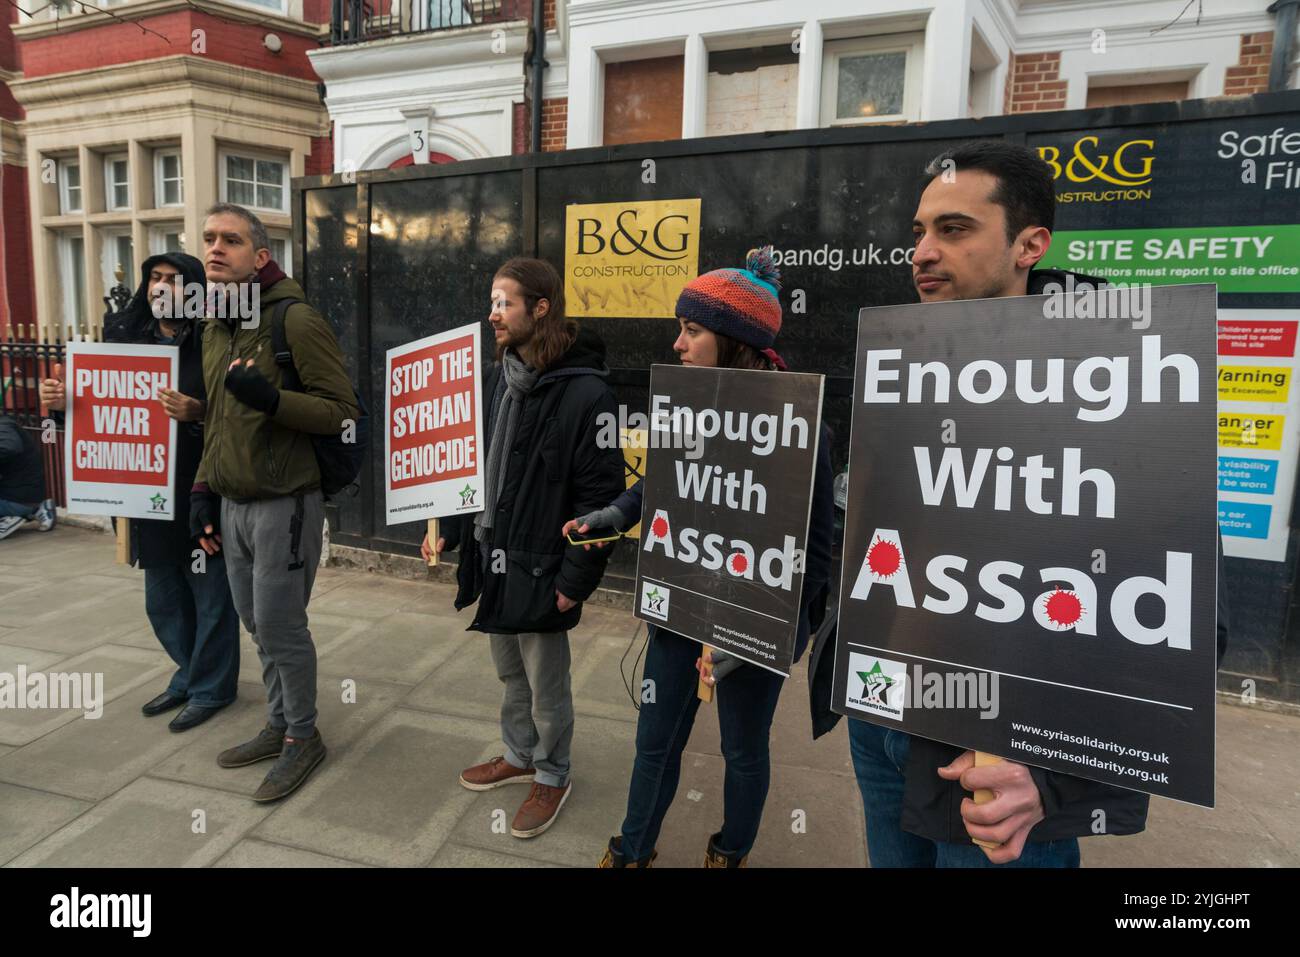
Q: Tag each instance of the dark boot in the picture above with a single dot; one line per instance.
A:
(614, 856)
(268, 744)
(295, 763)
(713, 857)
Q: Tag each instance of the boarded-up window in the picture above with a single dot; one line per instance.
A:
(643, 100)
(1137, 93)
(752, 90)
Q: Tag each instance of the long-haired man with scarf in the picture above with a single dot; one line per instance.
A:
(546, 397)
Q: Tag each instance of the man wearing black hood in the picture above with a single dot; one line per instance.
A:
(186, 594)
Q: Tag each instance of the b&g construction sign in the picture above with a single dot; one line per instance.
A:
(630, 259)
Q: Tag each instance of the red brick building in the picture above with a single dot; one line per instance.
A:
(120, 127)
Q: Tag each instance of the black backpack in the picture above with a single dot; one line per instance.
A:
(340, 462)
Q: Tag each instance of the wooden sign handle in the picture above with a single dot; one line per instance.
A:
(984, 795)
(705, 691)
(433, 542)
(123, 541)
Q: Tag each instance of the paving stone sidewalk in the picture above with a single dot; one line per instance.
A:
(123, 790)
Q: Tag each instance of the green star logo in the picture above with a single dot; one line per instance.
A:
(467, 495)
(875, 682)
(158, 501)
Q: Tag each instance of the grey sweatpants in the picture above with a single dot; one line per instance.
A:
(537, 711)
(272, 550)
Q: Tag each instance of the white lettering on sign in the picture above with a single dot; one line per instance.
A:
(985, 380)
(1071, 605)
(119, 384)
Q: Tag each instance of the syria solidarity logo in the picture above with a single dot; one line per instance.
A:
(877, 685)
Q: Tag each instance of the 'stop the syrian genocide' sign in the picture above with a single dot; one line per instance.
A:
(433, 436)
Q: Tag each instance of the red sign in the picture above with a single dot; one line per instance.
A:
(119, 430)
(1275, 338)
(119, 457)
(431, 414)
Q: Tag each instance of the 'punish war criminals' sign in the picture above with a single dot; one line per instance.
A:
(120, 455)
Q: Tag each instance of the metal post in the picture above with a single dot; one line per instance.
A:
(539, 67)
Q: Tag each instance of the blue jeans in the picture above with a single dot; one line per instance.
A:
(746, 700)
(195, 621)
(879, 759)
(17, 509)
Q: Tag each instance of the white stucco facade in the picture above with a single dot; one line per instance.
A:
(469, 79)
(967, 46)
(461, 85)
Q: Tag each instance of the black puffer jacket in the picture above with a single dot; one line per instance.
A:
(22, 472)
(555, 471)
(158, 543)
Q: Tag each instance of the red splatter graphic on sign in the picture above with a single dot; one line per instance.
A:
(883, 558)
(659, 527)
(739, 563)
(1063, 608)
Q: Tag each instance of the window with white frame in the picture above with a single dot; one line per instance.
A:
(167, 179)
(117, 186)
(258, 181)
(72, 278)
(167, 238)
(275, 6)
(118, 251)
(69, 171)
(872, 79)
(281, 251)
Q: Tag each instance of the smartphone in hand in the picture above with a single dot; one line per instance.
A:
(593, 536)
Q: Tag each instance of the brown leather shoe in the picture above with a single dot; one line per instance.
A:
(541, 809)
(493, 774)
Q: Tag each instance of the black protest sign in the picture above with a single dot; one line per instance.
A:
(1029, 550)
(728, 490)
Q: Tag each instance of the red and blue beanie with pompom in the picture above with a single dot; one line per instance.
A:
(740, 303)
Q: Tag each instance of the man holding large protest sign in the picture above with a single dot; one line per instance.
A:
(543, 464)
(258, 492)
(186, 595)
(984, 220)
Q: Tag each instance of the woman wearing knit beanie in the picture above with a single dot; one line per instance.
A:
(729, 318)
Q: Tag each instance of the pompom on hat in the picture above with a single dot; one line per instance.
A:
(740, 303)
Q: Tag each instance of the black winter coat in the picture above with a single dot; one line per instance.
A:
(555, 471)
(22, 471)
(157, 543)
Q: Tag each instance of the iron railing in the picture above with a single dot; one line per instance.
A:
(356, 21)
(23, 364)
(28, 354)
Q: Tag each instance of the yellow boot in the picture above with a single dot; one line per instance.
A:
(713, 857)
(614, 856)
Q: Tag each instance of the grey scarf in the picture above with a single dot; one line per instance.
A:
(520, 380)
